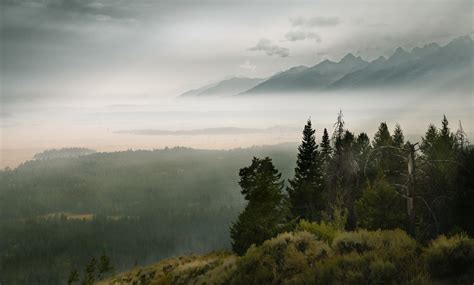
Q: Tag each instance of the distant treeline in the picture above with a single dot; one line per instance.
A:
(63, 153)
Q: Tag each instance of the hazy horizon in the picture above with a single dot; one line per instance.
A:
(94, 73)
(222, 123)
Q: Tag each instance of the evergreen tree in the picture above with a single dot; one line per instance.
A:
(428, 142)
(382, 141)
(438, 185)
(362, 148)
(326, 149)
(398, 164)
(73, 277)
(104, 265)
(446, 141)
(306, 188)
(266, 212)
(381, 207)
(89, 277)
(398, 138)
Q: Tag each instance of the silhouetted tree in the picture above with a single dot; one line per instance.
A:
(266, 211)
(326, 149)
(382, 140)
(73, 277)
(90, 272)
(342, 173)
(104, 265)
(306, 188)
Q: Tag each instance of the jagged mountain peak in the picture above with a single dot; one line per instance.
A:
(351, 58)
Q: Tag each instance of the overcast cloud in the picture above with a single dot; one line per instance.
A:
(54, 49)
(270, 49)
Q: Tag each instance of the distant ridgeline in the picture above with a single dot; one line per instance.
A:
(71, 152)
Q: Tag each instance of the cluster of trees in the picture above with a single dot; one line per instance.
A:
(352, 182)
(96, 269)
(71, 152)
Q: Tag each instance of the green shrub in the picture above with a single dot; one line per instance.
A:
(288, 257)
(390, 242)
(323, 231)
(382, 271)
(450, 257)
(365, 257)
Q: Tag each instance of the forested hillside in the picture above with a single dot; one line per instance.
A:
(136, 207)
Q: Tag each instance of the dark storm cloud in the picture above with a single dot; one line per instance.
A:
(270, 49)
(315, 21)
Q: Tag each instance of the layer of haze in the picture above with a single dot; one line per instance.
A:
(99, 74)
(219, 122)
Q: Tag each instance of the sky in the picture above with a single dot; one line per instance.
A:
(76, 73)
(106, 47)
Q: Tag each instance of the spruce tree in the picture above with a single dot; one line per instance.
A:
(384, 155)
(73, 277)
(398, 138)
(326, 149)
(266, 212)
(446, 141)
(306, 188)
(90, 272)
(429, 141)
(104, 266)
(398, 164)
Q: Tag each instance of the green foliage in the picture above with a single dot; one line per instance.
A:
(381, 207)
(138, 206)
(73, 277)
(288, 258)
(451, 257)
(326, 149)
(305, 193)
(90, 272)
(362, 240)
(266, 212)
(464, 197)
(105, 266)
(361, 257)
(323, 231)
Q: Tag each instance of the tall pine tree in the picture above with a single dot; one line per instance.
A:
(382, 143)
(306, 188)
(326, 149)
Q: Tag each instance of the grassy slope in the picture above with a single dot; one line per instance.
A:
(212, 268)
(362, 257)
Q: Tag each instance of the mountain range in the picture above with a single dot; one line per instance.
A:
(230, 86)
(448, 67)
